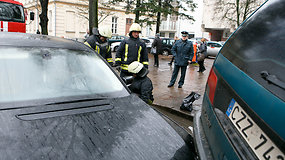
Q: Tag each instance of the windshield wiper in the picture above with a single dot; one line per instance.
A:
(272, 79)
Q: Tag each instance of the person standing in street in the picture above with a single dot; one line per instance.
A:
(141, 84)
(202, 50)
(183, 54)
(99, 42)
(158, 45)
(130, 50)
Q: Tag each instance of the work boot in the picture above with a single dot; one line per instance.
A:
(170, 85)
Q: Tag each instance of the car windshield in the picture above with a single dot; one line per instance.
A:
(11, 12)
(45, 73)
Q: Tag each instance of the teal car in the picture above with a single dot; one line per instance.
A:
(243, 109)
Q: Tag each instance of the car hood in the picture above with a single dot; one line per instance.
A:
(119, 128)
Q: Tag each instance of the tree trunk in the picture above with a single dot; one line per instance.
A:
(158, 18)
(43, 17)
(93, 15)
(137, 12)
(238, 12)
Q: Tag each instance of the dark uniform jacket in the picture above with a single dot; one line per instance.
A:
(158, 44)
(101, 48)
(143, 87)
(182, 52)
(203, 48)
(130, 50)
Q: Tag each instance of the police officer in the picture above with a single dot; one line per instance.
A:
(183, 54)
(141, 84)
(98, 41)
(130, 50)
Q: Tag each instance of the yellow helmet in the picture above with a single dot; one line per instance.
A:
(105, 32)
(135, 27)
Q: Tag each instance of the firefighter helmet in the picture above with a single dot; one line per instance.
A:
(138, 69)
(105, 32)
(135, 27)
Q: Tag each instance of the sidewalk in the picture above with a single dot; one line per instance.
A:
(170, 99)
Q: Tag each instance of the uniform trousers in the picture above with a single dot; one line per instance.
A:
(175, 73)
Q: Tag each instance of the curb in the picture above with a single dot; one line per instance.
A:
(174, 111)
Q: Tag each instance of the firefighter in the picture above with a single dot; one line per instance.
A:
(131, 49)
(141, 84)
(99, 42)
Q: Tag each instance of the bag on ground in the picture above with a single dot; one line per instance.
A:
(188, 101)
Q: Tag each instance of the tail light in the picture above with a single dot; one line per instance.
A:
(212, 83)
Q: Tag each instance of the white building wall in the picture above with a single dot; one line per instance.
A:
(62, 13)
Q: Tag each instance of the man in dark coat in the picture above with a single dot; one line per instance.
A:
(158, 45)
(183, 54)
(141, 84)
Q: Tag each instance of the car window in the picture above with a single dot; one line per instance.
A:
(11, 12)
(258, 49)
(35, 73)
(172, 41)
(214, 44)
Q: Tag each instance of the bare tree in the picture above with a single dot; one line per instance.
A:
(103, 11)
(43, 16)
(235, 11)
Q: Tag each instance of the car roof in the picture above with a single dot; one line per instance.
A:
(36, 40)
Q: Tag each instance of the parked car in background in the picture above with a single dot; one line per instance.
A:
(167, 44)
(61, 100)
(148, 43)
(243, 108)
(213, 48)
(116, 38)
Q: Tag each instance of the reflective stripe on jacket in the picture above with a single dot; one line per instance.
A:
(102, 49)
(131, 50)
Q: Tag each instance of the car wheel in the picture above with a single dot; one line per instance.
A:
(116, 48)
(165, 52)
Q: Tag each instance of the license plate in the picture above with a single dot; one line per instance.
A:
(258, 141)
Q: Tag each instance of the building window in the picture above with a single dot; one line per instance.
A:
(114, 24)
(171, 35)
(70, 21)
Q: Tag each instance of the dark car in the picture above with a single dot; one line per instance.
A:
(243, 108)
(167, 44)
(116, 38)
(61, 100)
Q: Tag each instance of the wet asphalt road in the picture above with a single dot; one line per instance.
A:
(168, 100)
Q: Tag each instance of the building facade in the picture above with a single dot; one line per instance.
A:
(68, 18)
(213, 26)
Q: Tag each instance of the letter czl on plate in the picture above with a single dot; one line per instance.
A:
(258, 141)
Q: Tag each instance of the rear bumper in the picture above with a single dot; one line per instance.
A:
(201, 143)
